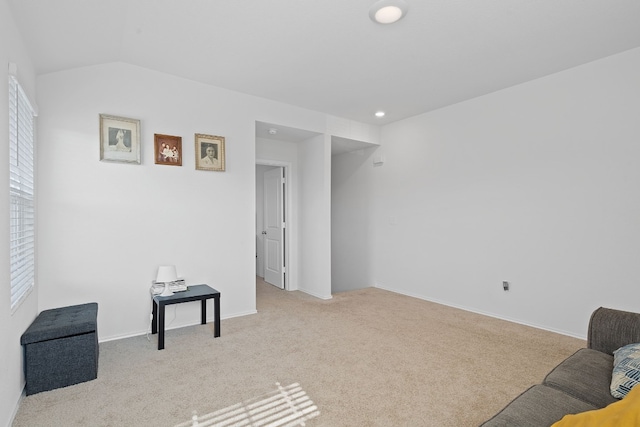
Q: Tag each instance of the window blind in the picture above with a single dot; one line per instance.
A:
(21, 192)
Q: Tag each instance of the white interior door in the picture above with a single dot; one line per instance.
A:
(274, 227)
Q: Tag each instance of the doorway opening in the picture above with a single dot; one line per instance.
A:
(272, 223)
(302, 155)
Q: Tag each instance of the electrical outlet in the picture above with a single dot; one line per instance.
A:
(505, 285)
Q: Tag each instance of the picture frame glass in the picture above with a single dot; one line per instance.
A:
(210, 152)
(168, 150)
(119, 139)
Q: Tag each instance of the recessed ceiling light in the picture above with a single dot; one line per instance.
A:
(388, 11)
(379, 113)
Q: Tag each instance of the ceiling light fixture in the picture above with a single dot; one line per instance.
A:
(379, 113)
(388, 11)
(273, 131)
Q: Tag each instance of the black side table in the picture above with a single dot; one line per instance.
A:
(193, 293)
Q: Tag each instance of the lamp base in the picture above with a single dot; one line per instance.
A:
(167, 290)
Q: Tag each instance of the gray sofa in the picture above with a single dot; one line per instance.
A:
(581, 382)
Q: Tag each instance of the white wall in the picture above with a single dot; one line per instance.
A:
(106, 227)
(12, 325)
(537, 184)
(352, 234)
(345, 128)
(314, 158)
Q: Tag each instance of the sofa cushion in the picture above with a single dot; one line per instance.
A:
(538, 406)
(625, 412)
(626, 370)
(585, 375)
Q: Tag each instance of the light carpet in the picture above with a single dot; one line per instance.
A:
(364, 358)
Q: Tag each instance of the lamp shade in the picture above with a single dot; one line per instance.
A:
(166, 273)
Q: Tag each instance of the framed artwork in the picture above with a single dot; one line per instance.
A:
(119, 139)
(209, 152)
(168, 149)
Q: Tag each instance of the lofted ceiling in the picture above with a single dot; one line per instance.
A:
(328, 55)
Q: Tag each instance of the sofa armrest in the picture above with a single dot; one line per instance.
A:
(611, 329)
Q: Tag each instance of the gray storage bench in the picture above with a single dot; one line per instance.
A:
(61, 348)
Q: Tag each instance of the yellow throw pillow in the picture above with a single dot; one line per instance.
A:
(623, 413)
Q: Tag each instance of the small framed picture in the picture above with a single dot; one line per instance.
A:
(119, 139)
(168, 149)
(209, 152)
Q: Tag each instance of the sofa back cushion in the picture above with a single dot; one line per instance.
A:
(611, 329)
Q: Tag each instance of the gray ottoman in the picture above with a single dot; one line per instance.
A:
(61, 348)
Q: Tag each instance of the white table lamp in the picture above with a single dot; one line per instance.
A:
(166, 275)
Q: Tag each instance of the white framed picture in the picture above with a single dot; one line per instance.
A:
(119, 139)
(209, 152)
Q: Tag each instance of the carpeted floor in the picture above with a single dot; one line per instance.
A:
(365, 358)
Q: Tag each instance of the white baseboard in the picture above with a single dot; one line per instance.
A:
(472, 310)
(169, 327)
(17, 406)
(313, 294)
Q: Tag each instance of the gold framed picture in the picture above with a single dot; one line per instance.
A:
(209, 152)
(168, 149)
(119, 139)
